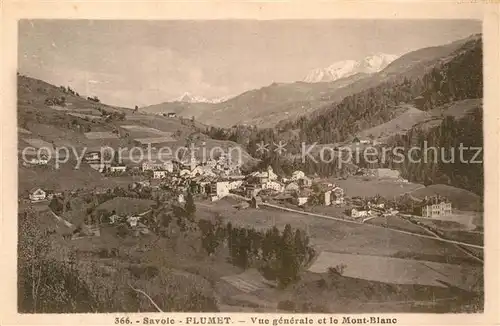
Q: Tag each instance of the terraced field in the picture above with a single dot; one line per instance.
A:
(401, 271)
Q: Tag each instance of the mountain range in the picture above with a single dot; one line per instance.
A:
(346, 68)
(280, 102)
(190, 98)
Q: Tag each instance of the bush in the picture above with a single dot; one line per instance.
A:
(122, 231)
(148, 272)
(337, 270)
(286, 305)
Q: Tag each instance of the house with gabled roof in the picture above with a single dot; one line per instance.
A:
(37, 194)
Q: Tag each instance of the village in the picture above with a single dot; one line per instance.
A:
(216, 179)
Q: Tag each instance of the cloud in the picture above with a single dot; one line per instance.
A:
(93, 81)
(127, 75)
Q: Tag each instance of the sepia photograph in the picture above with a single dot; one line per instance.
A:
(305, 166)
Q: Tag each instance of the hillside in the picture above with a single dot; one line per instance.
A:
(460, 198)
(51, 117)
(263, 107)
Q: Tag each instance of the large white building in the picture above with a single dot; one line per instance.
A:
(152, 166)
(159, 174)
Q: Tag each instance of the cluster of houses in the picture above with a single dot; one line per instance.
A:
(298, 189)
(369, 210)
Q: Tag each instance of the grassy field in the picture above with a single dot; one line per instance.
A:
(400, 271)
(460, 198)
(337, 236)
(369, 187)
(126, 205)
(396, 222)
(100, 135)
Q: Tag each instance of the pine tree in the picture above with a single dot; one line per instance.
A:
(190, 206)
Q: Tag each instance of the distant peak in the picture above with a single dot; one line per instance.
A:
(187, 97)
(345, 68)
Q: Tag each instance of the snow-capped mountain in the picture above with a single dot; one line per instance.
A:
(190, 98)
(346, 68)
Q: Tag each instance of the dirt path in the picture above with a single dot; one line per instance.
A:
(374, 226)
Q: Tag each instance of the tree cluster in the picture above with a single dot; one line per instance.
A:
(278, 255)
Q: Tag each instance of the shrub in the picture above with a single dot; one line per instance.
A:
(286, 305)
(337, 270)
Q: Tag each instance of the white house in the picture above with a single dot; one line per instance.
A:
(37, 194)
(273, 185)
(357, 213)
(296, 175)
(159, 174)
(132, 220)
(222, 188)
(181, 199)
(120, 168)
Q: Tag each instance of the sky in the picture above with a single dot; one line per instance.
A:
(130, 63)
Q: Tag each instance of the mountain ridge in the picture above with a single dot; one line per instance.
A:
(271, 105)
(345, 68)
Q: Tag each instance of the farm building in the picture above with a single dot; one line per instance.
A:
(37, 194)
(152, 166)
(119, 168)
(387, 173)
(171, 115)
